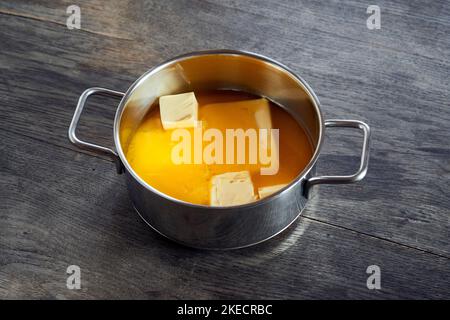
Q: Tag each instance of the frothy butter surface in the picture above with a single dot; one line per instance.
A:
(150, 150)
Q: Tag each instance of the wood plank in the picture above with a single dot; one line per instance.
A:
(409, 22)
(59, 208)
(45, 67)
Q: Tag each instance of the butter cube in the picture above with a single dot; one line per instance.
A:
(267, 191)
(178, 110)
(269, 146)
(261, 109)
(232, 188)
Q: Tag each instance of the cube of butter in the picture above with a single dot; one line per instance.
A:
(261, 109)
(232, 188)
(178, 110)
(267, 191)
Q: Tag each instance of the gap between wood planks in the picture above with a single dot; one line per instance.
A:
(41, 19)
(375, 237)
(303, 215)
(36, 18)
(363, 7)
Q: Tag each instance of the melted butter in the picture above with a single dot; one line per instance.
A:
(150, 149)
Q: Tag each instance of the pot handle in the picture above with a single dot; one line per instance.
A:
(360, 174)
(76, 117)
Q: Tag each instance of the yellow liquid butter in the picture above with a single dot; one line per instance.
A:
(150, 150)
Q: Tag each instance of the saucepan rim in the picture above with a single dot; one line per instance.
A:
(227, 52)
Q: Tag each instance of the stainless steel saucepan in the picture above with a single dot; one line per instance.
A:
(220, 227)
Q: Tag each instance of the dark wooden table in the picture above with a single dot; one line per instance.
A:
(60, 206)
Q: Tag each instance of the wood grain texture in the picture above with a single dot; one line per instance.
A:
(60, 206)
(77, 212)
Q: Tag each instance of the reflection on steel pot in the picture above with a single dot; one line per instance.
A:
(220, 227)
